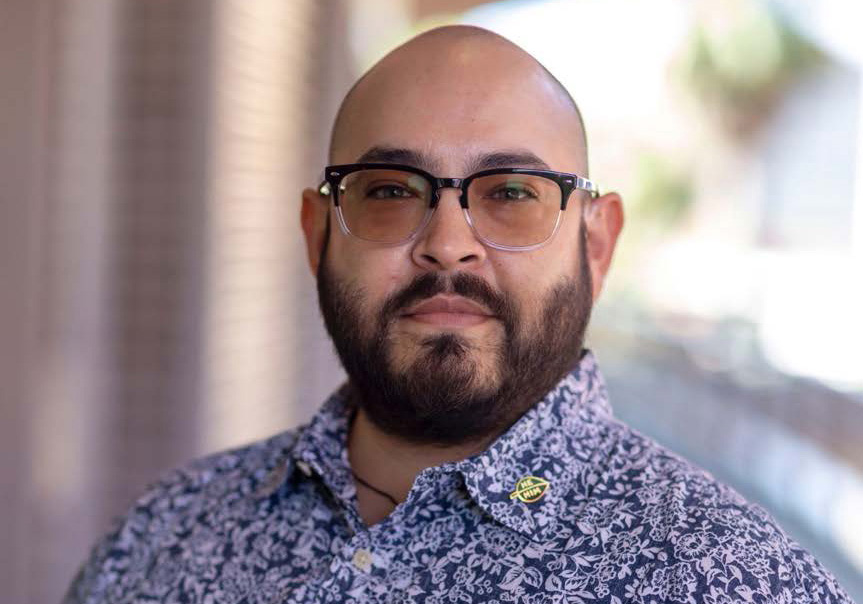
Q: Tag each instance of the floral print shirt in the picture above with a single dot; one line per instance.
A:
(568, 505)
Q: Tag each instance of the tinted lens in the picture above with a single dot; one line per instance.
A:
(514, 209)
(386, 206)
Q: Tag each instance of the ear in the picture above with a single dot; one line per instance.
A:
(313, 217)
(603, 222)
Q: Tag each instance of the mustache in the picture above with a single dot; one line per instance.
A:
(428, 285)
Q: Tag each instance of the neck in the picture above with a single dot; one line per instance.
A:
(391, 464)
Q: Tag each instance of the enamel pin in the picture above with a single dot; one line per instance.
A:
(530, 489)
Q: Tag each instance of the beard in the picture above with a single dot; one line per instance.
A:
(451, 391)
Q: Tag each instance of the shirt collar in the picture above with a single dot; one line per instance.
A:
(322, 445)
(556, 441)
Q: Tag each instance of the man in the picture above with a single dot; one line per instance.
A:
(472, 455)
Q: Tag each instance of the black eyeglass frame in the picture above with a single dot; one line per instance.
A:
(567, 182)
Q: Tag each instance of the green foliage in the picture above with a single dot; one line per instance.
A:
(664, 192)
(741, 65)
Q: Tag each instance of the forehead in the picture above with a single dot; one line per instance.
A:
(455, 111)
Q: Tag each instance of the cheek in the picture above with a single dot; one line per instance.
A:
(377, 272)
(526, 276)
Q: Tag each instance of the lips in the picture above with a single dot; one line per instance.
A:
(442, 304)
(449, 312)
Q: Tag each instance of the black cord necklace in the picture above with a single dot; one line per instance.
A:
(360, 480)
(375, 489)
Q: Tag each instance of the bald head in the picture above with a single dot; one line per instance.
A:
(471, 66)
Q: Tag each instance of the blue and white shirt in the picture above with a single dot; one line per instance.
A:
(568, 505)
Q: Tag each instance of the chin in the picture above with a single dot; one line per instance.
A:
(450, 361)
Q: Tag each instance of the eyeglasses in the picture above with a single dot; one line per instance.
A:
(512, 209)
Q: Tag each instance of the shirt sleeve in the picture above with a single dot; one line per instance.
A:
(765, 565)
(84, 585)
(810, 581)
(119, 558)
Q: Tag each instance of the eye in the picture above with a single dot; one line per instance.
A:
(391, 191)
(513, 193)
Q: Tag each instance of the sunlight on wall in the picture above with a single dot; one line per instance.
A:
(258, 68)
(812, 300)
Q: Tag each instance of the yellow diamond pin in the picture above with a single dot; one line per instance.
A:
(530, 489)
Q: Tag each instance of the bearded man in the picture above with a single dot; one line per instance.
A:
(472, 455)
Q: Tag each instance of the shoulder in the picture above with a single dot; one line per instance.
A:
(230, 473)
(674, 531)
(174, 499)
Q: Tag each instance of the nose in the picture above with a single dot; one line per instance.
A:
(447, 243)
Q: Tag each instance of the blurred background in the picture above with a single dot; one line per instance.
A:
(155, 303)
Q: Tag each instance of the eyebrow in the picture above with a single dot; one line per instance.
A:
(512, 158)
(395, 155)
(517, 158)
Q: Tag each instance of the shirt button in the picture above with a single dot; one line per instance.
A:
(304, 468)
(362, 559)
